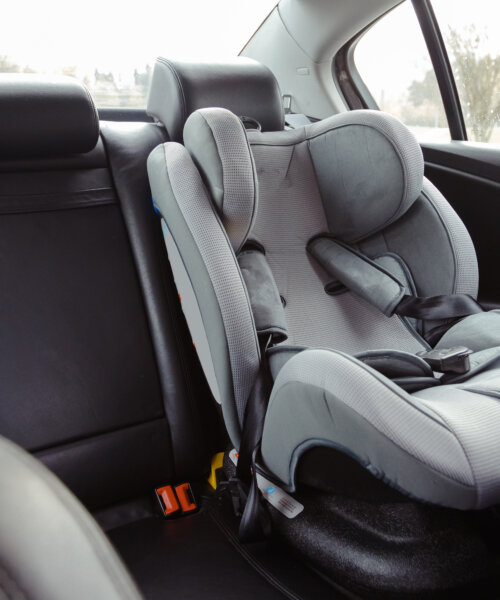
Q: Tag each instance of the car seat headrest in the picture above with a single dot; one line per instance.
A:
(218, 144)
(42, 117)
(369, 169)
(242, 85)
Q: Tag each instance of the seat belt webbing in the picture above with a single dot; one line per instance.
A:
(255, 523)
(381, 289)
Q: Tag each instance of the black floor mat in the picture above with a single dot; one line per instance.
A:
(199, 557)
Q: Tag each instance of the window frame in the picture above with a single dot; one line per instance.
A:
(356, 94)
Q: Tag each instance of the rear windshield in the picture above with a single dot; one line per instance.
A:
(111, 46)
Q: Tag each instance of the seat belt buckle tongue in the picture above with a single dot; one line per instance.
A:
(448, 360)
(176, 501)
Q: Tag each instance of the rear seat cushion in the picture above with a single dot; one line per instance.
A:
(94, 375)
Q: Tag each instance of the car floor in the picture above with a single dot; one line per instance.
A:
(199, 556)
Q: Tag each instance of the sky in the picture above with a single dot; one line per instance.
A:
(120, 36)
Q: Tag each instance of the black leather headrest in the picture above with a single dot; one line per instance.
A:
(243, 86)
(44, 117)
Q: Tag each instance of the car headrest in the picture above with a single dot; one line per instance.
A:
(42, 117)
(242, 85)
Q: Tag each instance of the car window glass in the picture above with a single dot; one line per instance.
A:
(470, 32)
(394, 63)
(111, 46)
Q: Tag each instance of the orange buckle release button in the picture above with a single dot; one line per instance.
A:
(186, 498)
(168, 500)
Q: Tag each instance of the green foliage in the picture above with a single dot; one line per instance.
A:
(477, 76)
(478, 81)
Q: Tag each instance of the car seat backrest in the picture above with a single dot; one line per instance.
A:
(242, 85)
(357, 177)
(86, 385)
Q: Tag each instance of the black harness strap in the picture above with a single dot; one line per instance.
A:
(438, 307)
(255, 522)
(368, 280)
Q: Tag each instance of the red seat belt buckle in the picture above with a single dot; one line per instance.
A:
(168, 501)
(186, 498)
(176, 501)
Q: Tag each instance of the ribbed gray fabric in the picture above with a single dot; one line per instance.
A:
(290, 214)
(452, 433)
(233, 184)
(221, 265)
(467, 272)
(472, 411)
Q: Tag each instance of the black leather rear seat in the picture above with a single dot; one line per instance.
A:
(96, 369)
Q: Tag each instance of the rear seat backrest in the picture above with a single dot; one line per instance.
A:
(91, 375)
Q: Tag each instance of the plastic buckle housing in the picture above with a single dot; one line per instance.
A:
(448, 360)
(176, 501)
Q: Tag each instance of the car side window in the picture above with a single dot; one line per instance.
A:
(473, 45)
(394, 63)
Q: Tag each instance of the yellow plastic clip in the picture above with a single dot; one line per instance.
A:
(216, 463)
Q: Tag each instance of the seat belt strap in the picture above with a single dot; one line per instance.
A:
(255, 523)
(381, 289)
(438, 307)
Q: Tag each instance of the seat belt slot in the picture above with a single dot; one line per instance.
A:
(186, 498)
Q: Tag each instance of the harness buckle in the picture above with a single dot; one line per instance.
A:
(448, 360)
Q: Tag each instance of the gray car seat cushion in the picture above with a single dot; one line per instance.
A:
(464, 255)
(290, 213)
(369, 168)
(51, 548)
(218, 144)
(205, 253)
(477, 332)
(439, 445)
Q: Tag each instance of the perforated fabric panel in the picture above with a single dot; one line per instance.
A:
(472, 411)
(388, 408)
(290, 213)
(467, 272)
(220, 262)
(450, 430)
(239, 188)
